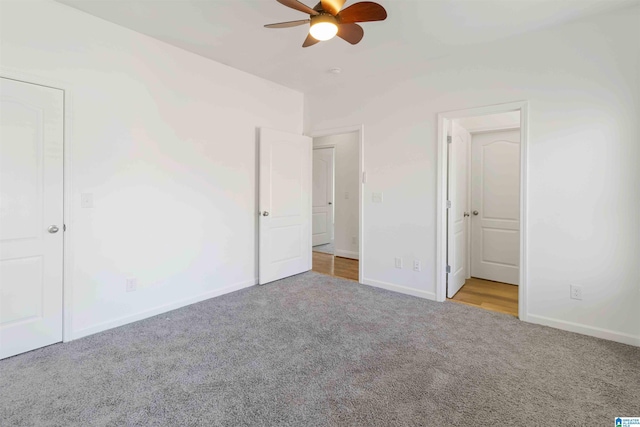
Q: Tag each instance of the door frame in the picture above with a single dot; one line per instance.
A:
(359, 129)
(67, 192)
(333, 202)
(441, 213)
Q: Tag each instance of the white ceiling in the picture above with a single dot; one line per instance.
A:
(415, 32)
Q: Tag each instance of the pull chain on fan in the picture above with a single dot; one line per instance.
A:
(327, 19)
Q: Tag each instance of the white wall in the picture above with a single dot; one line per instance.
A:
(166, 142)
(491, 122)
(346, 191)
(582, 82)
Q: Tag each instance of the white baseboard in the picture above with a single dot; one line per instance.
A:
(100, 327)
(347, 254)
(400, 289)
(585, 330)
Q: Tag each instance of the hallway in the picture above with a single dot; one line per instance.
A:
(335, 266)
(494, 296)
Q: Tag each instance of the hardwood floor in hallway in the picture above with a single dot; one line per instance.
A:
(345, 268)
(494, 296)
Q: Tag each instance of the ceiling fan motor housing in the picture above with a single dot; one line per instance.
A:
(323, 17)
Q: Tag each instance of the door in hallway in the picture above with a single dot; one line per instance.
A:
(323, 167)
(495, 195)
(31, 216)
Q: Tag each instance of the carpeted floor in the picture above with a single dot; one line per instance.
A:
(314, 350)
(325, 249)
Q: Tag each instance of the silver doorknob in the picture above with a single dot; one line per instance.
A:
(475, 212)
(265, 213)
(466, 214)
(52, 229)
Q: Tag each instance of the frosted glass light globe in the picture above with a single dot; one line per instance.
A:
(323, 27)
(323, 30)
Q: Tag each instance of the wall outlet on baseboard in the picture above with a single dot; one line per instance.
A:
(131, 284)
(398, 262)
(576, 292)
(416, 265)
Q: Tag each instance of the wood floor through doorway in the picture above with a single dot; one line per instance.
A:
(335, 266)
(494, 296)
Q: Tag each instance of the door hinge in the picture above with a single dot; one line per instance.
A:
(448, 204)
(364, 177)
(448, 269)
(64, 227)
(449, 140)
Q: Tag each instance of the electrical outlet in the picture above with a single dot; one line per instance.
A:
(416, 265)
(354, 241)
(398, 262)
(131, 284)
(346, 195)
(576, 292)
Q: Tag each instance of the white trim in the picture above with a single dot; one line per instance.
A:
(360, 130)
(67, 249)
(400, 289)
(347, 254)
(100, 327)
(585, 330)
(441, 243)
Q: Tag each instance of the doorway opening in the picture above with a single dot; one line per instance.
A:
(336, 206)
(482, 224)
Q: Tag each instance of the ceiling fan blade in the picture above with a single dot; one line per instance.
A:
(309, 41)
(332, 6)
(288, 24)
(352, 33)
(365, 11)
(295, 4)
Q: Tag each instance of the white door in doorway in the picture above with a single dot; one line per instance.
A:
(457, 215)
(285, 205)
(31, 215)
(323, 160)
(495, 229)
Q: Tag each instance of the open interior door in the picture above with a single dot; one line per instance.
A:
(285, 205)
(31, 218)
(457, 214)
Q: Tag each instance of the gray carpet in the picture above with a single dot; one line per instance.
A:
(313, 350)
(325, 249)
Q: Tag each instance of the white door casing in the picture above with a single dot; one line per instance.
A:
(323, 177)
(31, 200)
(457, 221)
(495, 230)
(285, 205)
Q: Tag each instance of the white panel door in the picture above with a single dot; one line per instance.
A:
(285, 204)
(495, 229)
(323, 171)
(457, 215)
(31, 191)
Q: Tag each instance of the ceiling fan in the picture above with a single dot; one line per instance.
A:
(327, 19)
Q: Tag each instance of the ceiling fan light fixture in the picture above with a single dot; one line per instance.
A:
(323, 27)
